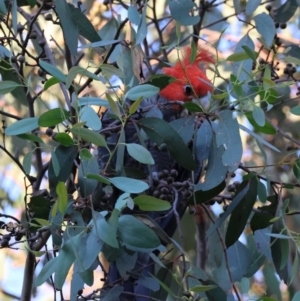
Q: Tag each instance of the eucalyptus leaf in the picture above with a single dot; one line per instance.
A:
(22, 126)
(64, 139)
(266, 27)
(27, 162)
(180, 11)
(144, 91)
(84, 25)
(216, 171)
(133, 15)
(259, 116)
(228, 135)
(53, 117)
(47, 270)
(129, 185)
(77, 70)
(251, 6)
(150, 203)
(240, 214)
(203, 141)
(296, 110)
(100, 43)
(90, 136)
(51, 82)
(136, 235)
(266, 129)
(69, 27)
(139, 153)
(184, 127)
(53, 70)
(142, 29)
(31, 137)
(286, 11)
(91, 118)
(7, 86)
(161, 132)
(62, 193)
(260, 139)
(65, 260)
(106, 232)
(92, 101)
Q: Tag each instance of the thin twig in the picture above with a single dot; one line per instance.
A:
(180, 233)
(10, 115)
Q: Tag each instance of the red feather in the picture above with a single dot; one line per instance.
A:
(189, 73)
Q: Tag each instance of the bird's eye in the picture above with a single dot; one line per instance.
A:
(188, 90)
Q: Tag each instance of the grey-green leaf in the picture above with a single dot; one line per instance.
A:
(106, 232)
(180, 11)
(22, 126)
(65, 259)
(27, 162)
(69, 27)
(240, 214)
(92, 101)
(136, 235)
(203, 141)
(133, 15)
(142, 29)
(184, 127)
(260, 139)
(129, 185)
(216, 172)
(85, 27)
(286, 11)
(144, 91)
(266, 27)
(90, 136)
(47, 270)
(139, 153)
(296, 110)
(259, 116)
(53, 70)
(77, 70)
(160, 132)
(91, 118)
(7, 86)
(251, 6)
(228, 135)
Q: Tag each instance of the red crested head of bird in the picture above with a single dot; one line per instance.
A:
(190, 77)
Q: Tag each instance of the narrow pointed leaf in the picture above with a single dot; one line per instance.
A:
(53, 117)
(90, 136)
(240, 214)
(62, 193)
(7, 86)
(161, 132)
(136, 235)
(53, 70)
(64, 139)
(228, 134)
(69, 27)
(129, 185)
(22, 126)
(77, 70)
(144, 91)
(150, 203)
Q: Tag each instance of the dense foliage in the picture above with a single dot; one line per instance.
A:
(88, 146)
